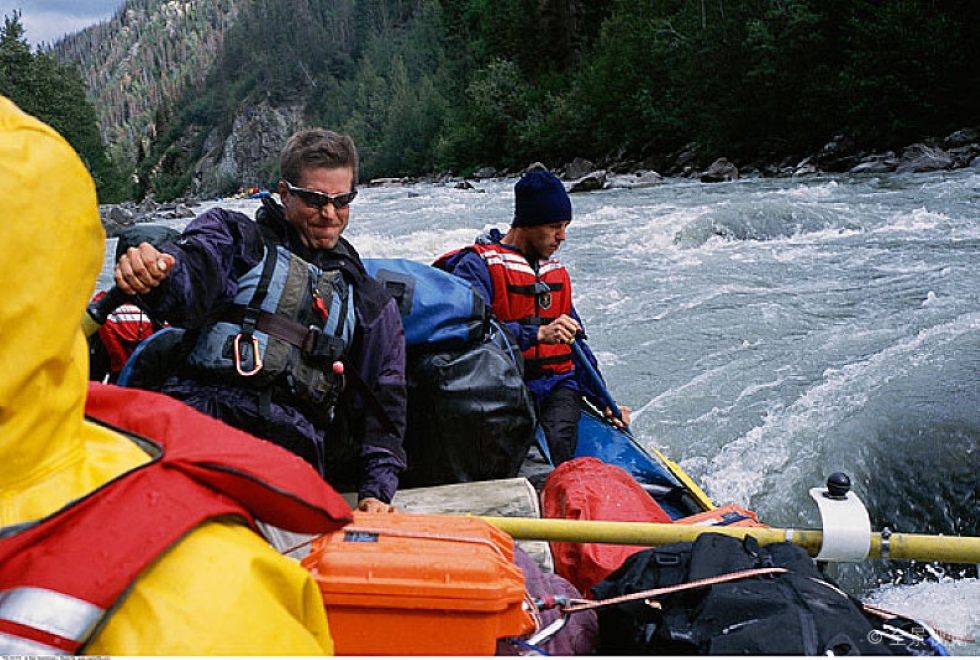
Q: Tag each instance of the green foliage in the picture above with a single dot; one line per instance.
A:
(55, 94)
(905, 71)
(433, 85)
(497, 101)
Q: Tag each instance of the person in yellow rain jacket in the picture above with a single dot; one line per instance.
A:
(125, 542)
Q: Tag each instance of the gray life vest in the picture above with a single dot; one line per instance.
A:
(290, 322)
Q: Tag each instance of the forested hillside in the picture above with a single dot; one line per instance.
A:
(138, 65)
(434, 85)
(42, 86)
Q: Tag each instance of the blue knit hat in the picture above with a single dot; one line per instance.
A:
(540, 199)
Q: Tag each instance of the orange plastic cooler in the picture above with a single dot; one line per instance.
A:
(414, 584)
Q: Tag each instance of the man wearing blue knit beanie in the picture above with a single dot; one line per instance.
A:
(530, 292)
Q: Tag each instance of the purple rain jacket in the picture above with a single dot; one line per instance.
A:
(470, 266)
(358, 449)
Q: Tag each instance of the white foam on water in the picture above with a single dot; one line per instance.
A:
(917, 221)
(946, 605)
(423, 246)
(807, 192)
(735, 474)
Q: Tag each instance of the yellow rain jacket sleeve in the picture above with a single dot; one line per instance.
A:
(222, 590)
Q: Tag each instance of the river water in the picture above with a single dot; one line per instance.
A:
(767, 333)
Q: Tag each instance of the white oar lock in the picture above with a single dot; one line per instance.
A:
(845, 521)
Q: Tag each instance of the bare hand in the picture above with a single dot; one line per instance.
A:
(142, 268)
(560, 331)
(374, 505)
(621, 421)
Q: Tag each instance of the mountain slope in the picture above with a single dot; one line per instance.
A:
(138, 64)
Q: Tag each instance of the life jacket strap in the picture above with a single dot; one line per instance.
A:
(534, 289)
(310, 340)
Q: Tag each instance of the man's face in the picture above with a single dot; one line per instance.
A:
(542, 241)
(320, 228)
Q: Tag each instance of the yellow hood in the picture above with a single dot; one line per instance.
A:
(51, 251)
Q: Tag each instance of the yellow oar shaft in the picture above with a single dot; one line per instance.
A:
(921, 547)
(925, 547)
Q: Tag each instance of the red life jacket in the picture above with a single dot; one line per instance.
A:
(63, 575)
(122, 332)
(532, 298)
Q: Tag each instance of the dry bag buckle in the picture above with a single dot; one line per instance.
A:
(256, 358)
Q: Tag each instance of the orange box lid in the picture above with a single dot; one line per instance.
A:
(417, 561)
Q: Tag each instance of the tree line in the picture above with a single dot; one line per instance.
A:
(428, 86)
(54, 92)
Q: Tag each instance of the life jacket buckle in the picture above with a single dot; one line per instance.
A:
(311, 340)
(256, 356)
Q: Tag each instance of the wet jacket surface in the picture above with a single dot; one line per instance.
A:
(469, 265)
(200, 470)
(216, 249)
(218, 580)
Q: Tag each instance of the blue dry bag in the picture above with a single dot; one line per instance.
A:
(436, 307)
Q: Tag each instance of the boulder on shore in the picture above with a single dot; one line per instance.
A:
(720, 170)
(592, 181)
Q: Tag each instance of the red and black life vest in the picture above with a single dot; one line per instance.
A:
(532, 296)
(201, 469)
(122, 332)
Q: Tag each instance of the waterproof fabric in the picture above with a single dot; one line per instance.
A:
(116, 339)
(128, 325)
(50, 455)
(143, 232)
(207, 471)
(580, 636)
(273, 485)
(300, 299)
(531, 295)
(155, 359)
(471, 417)
(359, 448)
(468, 265)
(585, 488)
(800, 612)
(438, 309)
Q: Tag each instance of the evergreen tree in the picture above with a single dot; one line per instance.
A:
(55, 94)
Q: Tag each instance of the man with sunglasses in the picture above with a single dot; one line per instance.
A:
(531, 293)
(288, 337)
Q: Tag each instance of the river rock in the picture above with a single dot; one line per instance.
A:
(593, 181)
(387, 182)
(964, 155)
(962, 138)
(876, 164)
(637, 180)
(920, 157)
(578, 168)
(838, 155)
(720, 170)
(119, 215)
(485, 173)
(806, 167)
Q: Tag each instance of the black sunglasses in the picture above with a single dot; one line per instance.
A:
(317, 200)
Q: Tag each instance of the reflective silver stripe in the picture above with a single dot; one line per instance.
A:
(50, 611)
(10, 645)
